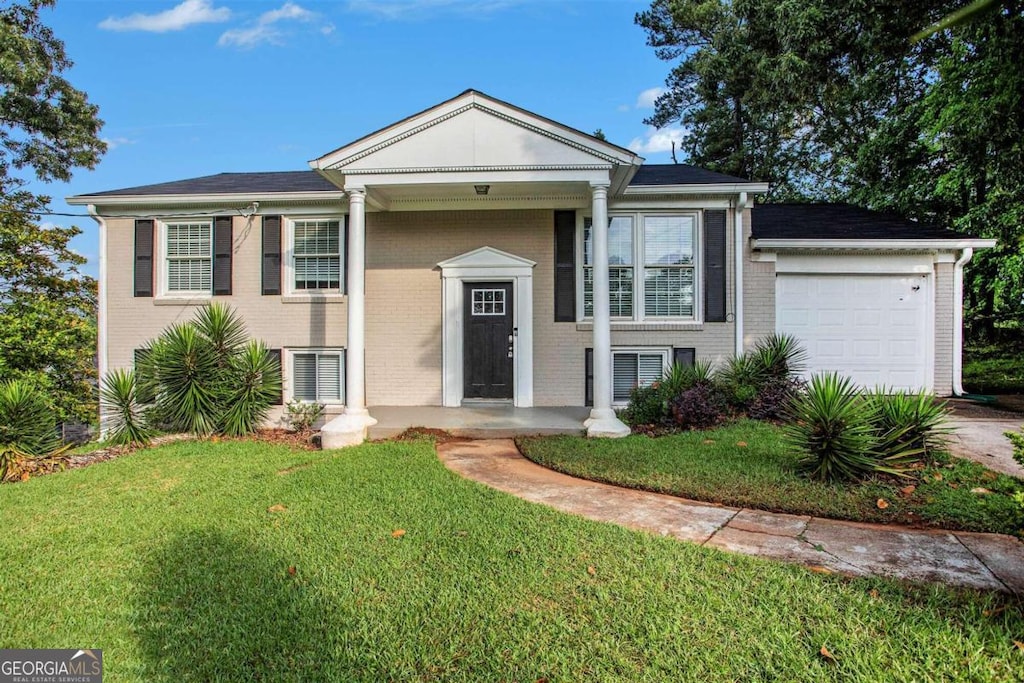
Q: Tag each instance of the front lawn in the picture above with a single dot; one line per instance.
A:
(241, 561)
(747, 464)
(994, 369)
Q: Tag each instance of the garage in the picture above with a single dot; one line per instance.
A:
(873, 327)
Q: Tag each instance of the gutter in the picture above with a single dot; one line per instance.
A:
(853, 244)
(958, 320)
(738, 253)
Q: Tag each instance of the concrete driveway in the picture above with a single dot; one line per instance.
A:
(979, 435)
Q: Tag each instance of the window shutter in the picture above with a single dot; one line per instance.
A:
(344, 256)
(588, 382)
(271, 255)
(144, 257)
(275, 354)
(684, 357)
(223, 243)
(714, 266)
(565, 266)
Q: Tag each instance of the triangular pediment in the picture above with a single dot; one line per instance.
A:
(474, 131)
(487, 257)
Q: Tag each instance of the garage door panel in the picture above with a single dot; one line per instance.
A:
(871, 327)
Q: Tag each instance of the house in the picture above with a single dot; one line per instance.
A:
(459, 255)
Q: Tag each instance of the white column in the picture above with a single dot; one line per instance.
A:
(349, 428)
(602, 421)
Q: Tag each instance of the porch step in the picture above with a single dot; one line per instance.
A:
(478, 421)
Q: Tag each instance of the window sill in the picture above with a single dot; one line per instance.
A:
(314, 298)
(181, 300)
(649, 326)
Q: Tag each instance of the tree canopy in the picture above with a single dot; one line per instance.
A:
(47, 128)
(836, 100)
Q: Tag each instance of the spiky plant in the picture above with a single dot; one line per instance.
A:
(740, 378)
(780, 356)
(910, 420)
(123, 419)
(28, 428)
(256, 382)
(189, 378)
(221, 326)
(832, 425)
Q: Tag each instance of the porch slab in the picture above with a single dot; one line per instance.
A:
(479, 421)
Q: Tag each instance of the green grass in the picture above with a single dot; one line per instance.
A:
(994, 370)
(765, 475)
(170, 561)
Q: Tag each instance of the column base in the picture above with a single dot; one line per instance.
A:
(603, 424)
(348, 429)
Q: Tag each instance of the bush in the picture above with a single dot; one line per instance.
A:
(834, 426)
(28, 428)
(302, 415)
(779, 356)
(123, 421)
(647, 405)
(702, 406)
(774, 397)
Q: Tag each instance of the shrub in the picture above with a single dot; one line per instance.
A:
(647, 405)
(834, 427)
(28, 428)
(774, 398)
(909, 421)
(702, 406)
(740, 379)
(255, 383)
(302, 415)
(123, 420)
(779, 356)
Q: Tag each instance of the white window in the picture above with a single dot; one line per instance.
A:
(636, 368)
(665, 286)
(488, 302)
(318, 375)
(317, 246)
(188, 253)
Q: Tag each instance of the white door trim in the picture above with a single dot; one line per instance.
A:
(487, 264)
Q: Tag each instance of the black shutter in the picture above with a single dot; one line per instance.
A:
(344, 257)
(223, 243)
(276, 355)
(684, 357)
(144, 257)
(271, 254)
(714, 266)
(565, 266)
(588, 382)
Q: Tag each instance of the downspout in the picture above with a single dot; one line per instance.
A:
(101, 314)
(738, 253)
(958, 320)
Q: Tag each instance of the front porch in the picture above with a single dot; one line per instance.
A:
(501, 421)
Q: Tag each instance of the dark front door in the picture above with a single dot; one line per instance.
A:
(487, 340)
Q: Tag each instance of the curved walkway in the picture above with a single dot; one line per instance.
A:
(983, 561)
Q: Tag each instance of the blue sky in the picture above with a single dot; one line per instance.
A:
(193, 87)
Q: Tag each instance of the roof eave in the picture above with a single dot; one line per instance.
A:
(209, 198)
(873, 244)
(699, 188)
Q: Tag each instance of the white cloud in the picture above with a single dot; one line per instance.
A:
(114, 143)
(416, 9)
(181, 16)
(267, 29)
(646, 99)
(658, 140)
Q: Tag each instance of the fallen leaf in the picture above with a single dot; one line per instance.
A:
(882, 503)
(907, 490)
(981, 490)
(24, 476)
(937, 476)
(993, 612)
(827, 655)
(292, 570)
(741, 444)
(707, 441)
(398, 533)
(820, 570)
(954, 485)
(873, 592)
(276, 508)
(989, 475)
(591, 570)
(1019, 645)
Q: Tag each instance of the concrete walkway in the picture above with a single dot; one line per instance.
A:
(983, 561)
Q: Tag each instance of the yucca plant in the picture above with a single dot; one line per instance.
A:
(256, 382)
(740, 378)
(779, 356)
(831, 424)
(909, 421)
(187, 372)
(28, 428)
(124, 422)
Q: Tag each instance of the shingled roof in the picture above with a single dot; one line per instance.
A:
(839, 221)
(680, 174)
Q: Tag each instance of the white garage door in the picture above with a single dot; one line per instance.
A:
(871, 327)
